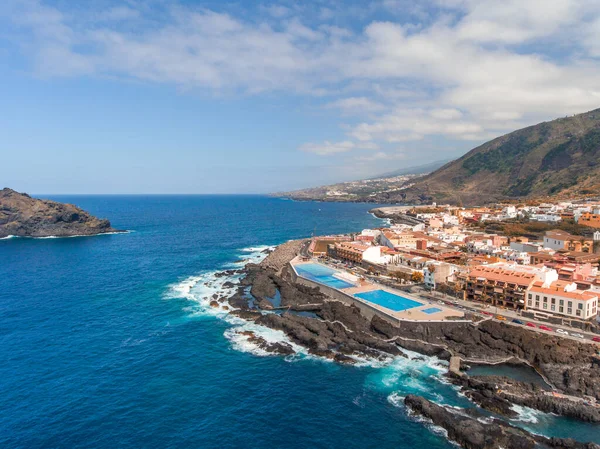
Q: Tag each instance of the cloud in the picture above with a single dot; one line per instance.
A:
(461, 69)
(328, 148)
(380, 156)
(355, 104)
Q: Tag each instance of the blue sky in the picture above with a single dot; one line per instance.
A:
(190, 96)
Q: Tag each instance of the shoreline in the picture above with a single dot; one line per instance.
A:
(115, 232)
(271, 315)
(340, 333)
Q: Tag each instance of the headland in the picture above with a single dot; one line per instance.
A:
(24, 216)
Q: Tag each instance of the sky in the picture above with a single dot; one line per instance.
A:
(191, 96)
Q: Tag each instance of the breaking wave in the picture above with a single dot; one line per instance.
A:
(64, 236)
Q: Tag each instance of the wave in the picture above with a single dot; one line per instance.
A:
(527, 414)
(64, 236)
(240, 334)
(252, 254)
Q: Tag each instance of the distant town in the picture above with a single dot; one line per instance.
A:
(535, 261)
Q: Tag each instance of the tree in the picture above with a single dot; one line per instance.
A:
(417, 277)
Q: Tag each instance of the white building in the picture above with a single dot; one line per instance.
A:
(562, 298)
(438, 272)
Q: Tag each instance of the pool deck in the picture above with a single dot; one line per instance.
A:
(413, 314)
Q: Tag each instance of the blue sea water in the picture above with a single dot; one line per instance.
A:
(106, 342)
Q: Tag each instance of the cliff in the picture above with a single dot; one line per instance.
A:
(24, 216)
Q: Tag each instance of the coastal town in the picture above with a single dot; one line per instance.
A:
(533, 265)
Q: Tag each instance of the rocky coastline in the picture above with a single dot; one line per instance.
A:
(472, 430)
(338, 331)
(24, 216)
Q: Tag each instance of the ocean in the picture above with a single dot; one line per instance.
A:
(109, 342)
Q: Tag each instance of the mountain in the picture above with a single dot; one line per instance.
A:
(366, 190)
(24, 216)
(550, 159)
(554, 159)
(416, 170)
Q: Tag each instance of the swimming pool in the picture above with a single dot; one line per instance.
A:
(388, 300)
(322, 275)
(431, 310)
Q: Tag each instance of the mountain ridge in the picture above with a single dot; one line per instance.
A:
(557, 158)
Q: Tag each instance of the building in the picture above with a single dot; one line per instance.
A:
(589, 219)
(504, 285)
(348, 251)
(558, 239)
(562, 298)
(436, 273)
(319, 245)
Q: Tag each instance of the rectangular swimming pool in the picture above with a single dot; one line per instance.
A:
(388, 300)
(322, 275)
(431, 310)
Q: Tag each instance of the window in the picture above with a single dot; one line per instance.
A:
(545, 299)
(553, 300)
(529, 302)
(570, 311)
(545, 305)
(537, 304)
(561, 302)
(552, 307)
(578, 312)
(561, 309)
(580, 306)
(570, 304)
(530, 296)
(537, 297)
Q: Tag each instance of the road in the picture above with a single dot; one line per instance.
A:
(509, 315)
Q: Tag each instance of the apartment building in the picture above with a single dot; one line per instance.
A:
(562, 298)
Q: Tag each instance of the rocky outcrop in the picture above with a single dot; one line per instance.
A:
(280, 348)
(281, 255)
(497, 394)
(473, 431)
(570, 366)
(24, 216)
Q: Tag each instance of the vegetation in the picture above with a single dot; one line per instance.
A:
(534, 229)
(417, 277)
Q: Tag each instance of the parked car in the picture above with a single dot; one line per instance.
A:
(562, 331)
(517, 321)
(500, 317)
(531, 325)
(597, 339)
(545, 328)
(575, 334)
(488, 313)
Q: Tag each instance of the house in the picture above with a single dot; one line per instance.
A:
(562, 298)
(589, 219)
(438, 273)
(558, 239)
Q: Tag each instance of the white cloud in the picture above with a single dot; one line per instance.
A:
(328, 148)
(355, 104)
(463, 69)
(380, 156)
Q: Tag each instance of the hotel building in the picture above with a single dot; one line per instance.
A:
(562, 298)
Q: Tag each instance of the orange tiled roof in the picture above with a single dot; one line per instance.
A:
(502, 275)
(558, 288)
